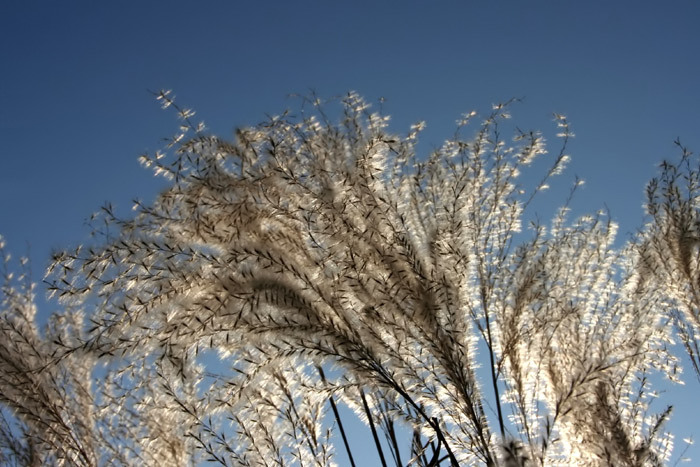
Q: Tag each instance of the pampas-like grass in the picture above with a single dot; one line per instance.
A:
(308, 244)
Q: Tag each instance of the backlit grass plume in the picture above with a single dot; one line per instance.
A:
(317, 261)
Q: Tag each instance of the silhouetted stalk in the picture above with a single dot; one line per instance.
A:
(494, 377)
(374, 430)
(418, 449)
(433, 422)
(435, 460)
(392, 437)
(337, 419)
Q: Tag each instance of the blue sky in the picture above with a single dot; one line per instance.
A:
(75, 111)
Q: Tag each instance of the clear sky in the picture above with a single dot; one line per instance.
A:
(75, 111)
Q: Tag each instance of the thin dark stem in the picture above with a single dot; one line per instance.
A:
(418, 449)
(337, 419)
(494, 378)
(433, 422)
(374, 430)
(435, 461)
(394, 443)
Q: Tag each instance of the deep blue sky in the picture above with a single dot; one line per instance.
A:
(75, 111)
